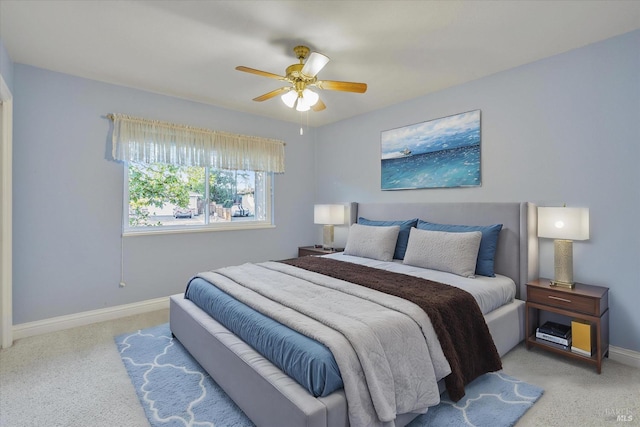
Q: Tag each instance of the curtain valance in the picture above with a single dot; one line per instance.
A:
(151, 141)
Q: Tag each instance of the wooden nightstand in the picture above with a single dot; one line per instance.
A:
(312, 250)
(584, 302)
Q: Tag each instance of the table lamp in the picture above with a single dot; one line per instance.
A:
(564, 225)
(328, 216)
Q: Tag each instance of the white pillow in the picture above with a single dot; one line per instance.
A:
(369, 241)
(455, 253)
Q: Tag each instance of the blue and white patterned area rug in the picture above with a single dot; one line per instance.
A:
(175, 391)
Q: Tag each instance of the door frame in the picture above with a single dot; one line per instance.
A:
(6, 218)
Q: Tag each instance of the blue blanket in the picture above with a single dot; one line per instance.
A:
(307, 361)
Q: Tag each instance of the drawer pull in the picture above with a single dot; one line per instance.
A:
(559, 299)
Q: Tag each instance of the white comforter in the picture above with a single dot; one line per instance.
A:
(386, 348)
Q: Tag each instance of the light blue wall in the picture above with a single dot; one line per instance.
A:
(68, 199)
(563, 129)
(6, 66)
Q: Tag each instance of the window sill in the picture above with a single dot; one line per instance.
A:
(152, 231)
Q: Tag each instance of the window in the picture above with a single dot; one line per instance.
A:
(163, 197)
(178, 177)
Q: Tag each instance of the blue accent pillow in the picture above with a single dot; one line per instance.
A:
(403, 235)
(488, 244)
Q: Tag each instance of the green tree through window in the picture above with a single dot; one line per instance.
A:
(172, 196)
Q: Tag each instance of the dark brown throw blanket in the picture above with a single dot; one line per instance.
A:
(454, 313)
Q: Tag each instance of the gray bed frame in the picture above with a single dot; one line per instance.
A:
(272, 399)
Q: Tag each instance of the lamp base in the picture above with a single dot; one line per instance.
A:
(562, 284)
(563, 264)
(327, 237)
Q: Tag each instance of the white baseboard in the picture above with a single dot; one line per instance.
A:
(54, 324)
(24, 330)
(624, 356)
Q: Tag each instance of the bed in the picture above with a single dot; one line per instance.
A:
(272, 398)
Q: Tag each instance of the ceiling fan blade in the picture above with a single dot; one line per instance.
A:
(314, 64)
(259, 72)
(271, 94)
(318, 106)
(342, 86)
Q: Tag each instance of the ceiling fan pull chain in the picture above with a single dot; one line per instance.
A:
(301, 130)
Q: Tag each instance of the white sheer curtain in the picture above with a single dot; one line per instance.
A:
(151, 141)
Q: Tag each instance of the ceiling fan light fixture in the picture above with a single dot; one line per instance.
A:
(302, 104)
(301, 75)
(310, 97)
(289, 98)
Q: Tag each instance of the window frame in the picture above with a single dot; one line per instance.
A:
(268, 222)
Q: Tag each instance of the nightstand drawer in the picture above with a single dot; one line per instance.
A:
(568, 300)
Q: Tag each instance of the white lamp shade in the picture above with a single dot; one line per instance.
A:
(310, 97)
(328, 214)
(302, 104)
(563, 223)
(289, 98)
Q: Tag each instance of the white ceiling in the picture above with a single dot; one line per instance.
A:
(401, 49)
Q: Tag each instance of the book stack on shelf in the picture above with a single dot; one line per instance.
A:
(582, 343)
(555, 334)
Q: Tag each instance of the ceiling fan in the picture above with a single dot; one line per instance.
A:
(302, 76)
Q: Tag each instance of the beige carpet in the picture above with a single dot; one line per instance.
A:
(575, 395)
(76, 378)
(72, 378)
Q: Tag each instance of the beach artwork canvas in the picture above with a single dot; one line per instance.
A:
(440, 153)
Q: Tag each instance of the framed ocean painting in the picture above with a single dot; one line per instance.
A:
(439, 153)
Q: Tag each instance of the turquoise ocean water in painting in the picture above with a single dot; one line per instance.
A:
(455, 167)
(440, 153)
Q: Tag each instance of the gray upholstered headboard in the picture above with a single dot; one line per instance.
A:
(517, 253)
